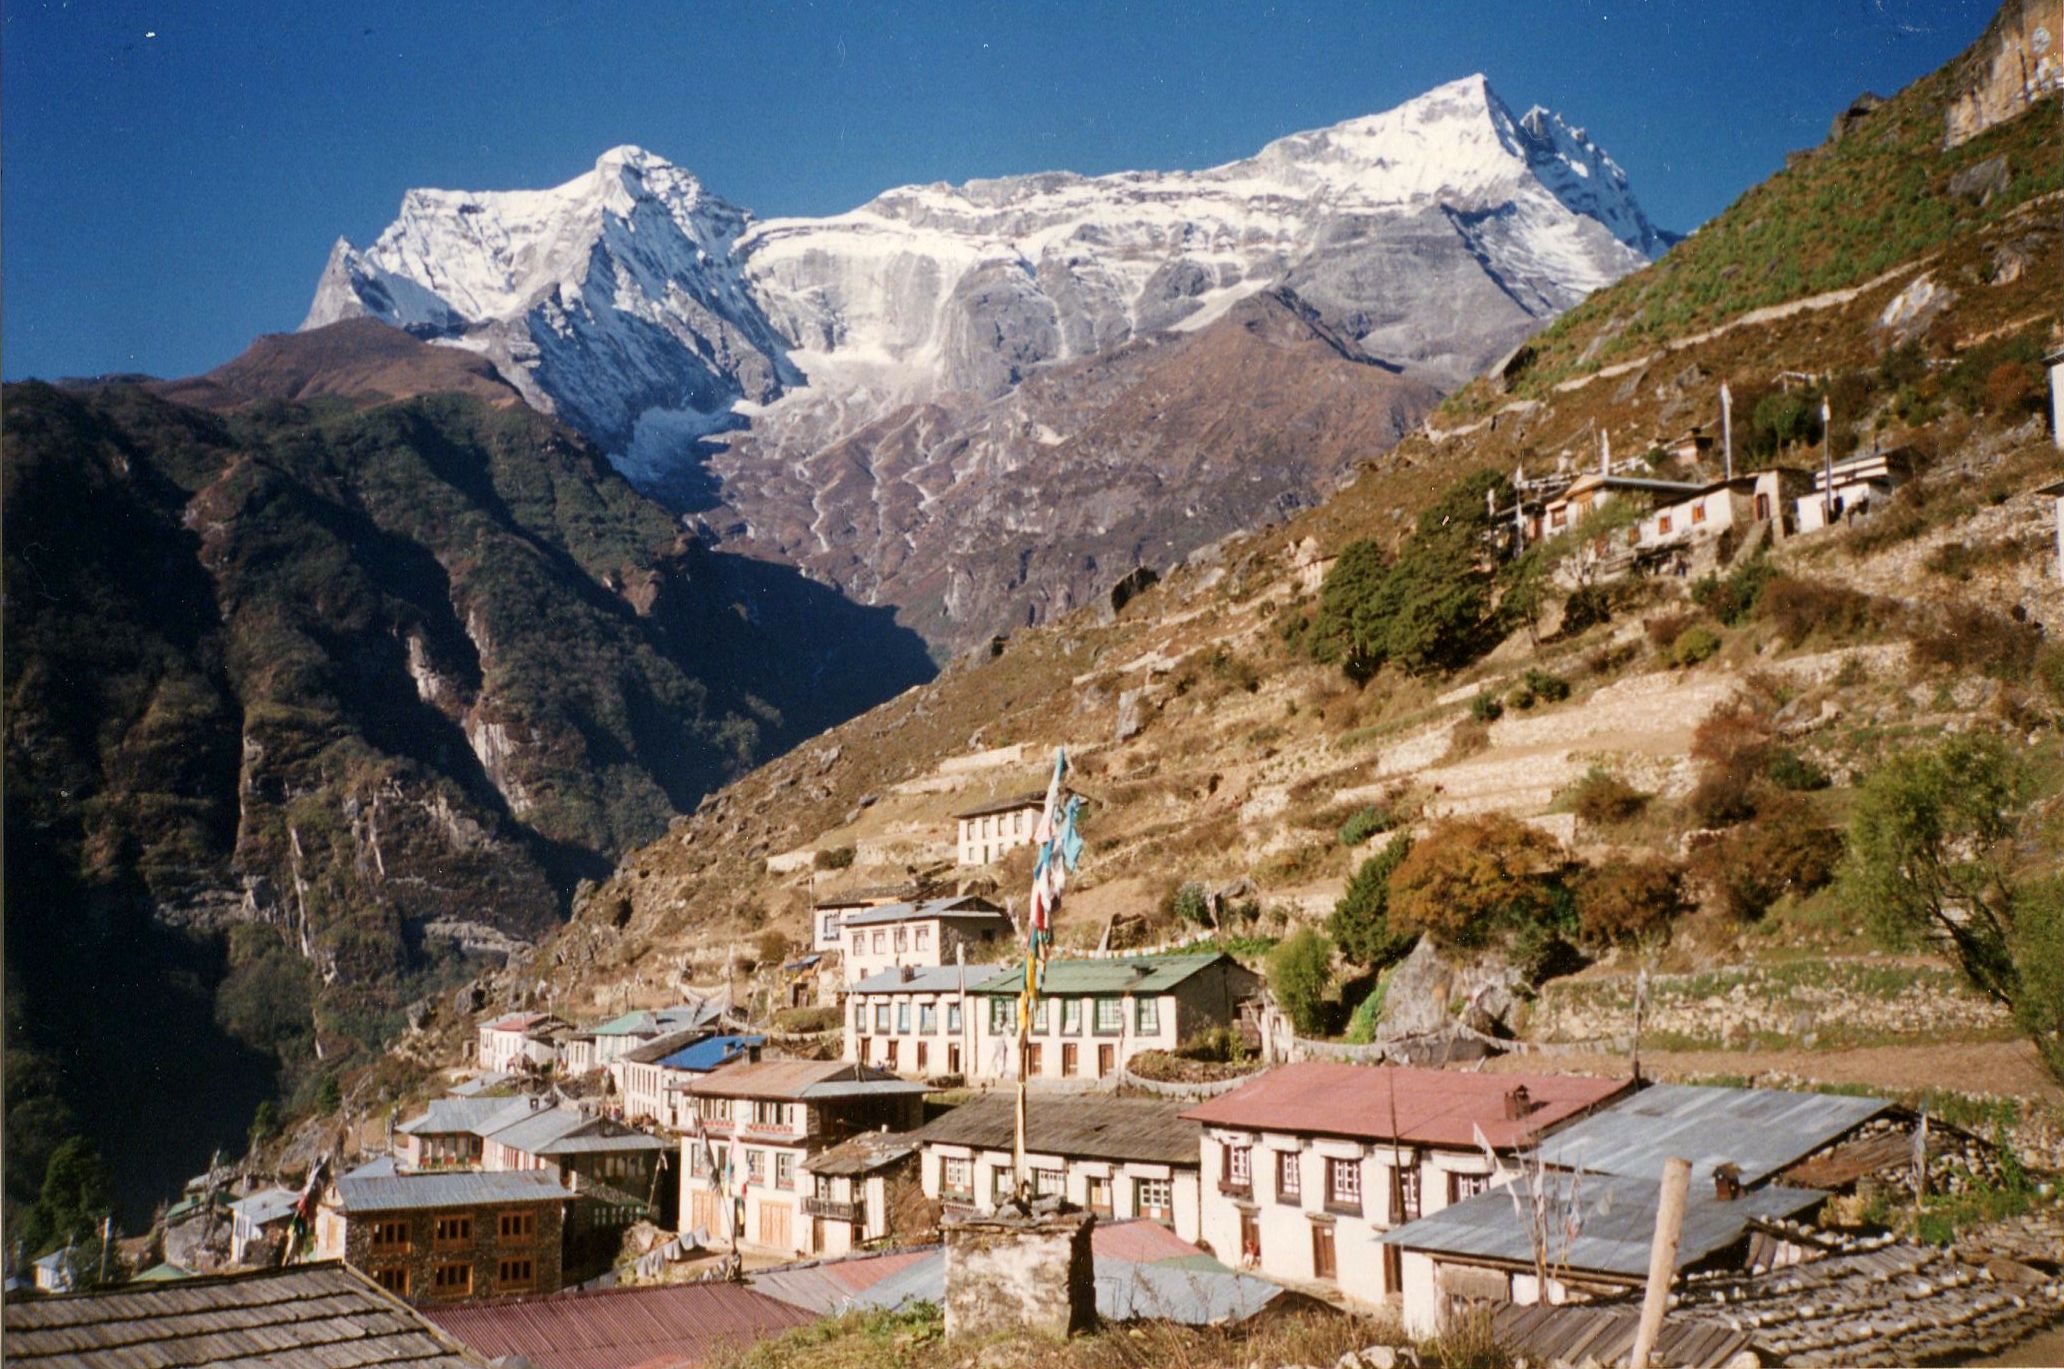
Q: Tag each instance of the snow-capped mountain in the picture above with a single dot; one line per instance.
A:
(714, 357)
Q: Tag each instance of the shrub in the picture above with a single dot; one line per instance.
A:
(329, 1097)
(1628, 901)
(1733, 746)
(1787, 849)
(1187, 902)
(1791, 769)
(1485, 708)
(1473, 877)
(834, 858)
(1733, 599)
(1664, 629)
(1964, 636)
(1298, 973)
(1361, 919)
(1798, 608)
(1587, 607)
(809, 1021)
(1363, 823)
(1695, 644)
(771, 948)
(1602, 798)
(1544, 686)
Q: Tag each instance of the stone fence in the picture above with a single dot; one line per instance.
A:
(1169, 1088)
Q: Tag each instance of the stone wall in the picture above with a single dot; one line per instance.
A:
(1011, 1274)
(484, 1251)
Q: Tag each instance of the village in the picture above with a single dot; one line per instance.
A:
(960, 1142)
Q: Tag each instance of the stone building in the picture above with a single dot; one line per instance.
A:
(450, 1235)
(1305, 1166)
(1094, 1015)
(752, 1125)
(932, 932)
(866, 1190)
(1116, 1157)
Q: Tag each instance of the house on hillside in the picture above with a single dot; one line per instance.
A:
(451, 1133)
(828, 914)
(990, 832)
(1479, 1251)
(1592, 491)
(866, 1189)
(570, 1144)
(1094, 1015)
(1853, 488)
(752, 1124)
(600, 1046)
(914, 1022)
(649, 1077)
(447, 1236)
(517, 1041)
(257, 1222)
(931, 932)
(1118, 1157)
(1757, 1135)
(1305, 1167)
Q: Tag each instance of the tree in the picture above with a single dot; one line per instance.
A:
(329, 1097)
(1360, 924)
(1473, 877)
(1629, 901)
(264, 1123)
(1932, 855)
(77, 1193)
(1298, 972)
(1354, 578)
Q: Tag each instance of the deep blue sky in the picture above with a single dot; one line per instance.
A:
(169, 197)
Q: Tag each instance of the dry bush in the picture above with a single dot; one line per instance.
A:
(1465, 739)
(1664, 628)
(1602, 798)
(1798, 608)
(1733, 747)
(1786, 849)
(1473, 876)
(1629, 901)
(1963, 636)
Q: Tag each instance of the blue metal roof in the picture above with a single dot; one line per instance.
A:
(710, 1052)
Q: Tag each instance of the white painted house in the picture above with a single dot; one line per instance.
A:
(987, 833)
(1305, 1167)
(932, 932)
(1852, 487)
(914, 1022)
(518, 1040)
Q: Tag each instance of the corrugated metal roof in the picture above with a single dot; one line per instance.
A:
(1204, 1294)
(659, 1047)
(468, 1116)
(924, 979)
(1140, 1241)
(709, 1053)
(1109, 974)
(1430, 1106)
(794, 1079)
(454, 1188)
(323, 1314)
(1080, 1126)
(266, 1205)
(1761, 1130)
(379, 1167)
(961, 906)
(619, 1328)
(516, 1021)
(1617, 1216)
(566, 1131)
(1034, 799)
(479, 1084)
(1605, 1335)
(828, 1287)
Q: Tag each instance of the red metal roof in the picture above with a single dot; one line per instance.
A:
(1432, 1107)
(1142, 1242)
(620, 1328)
(516, 1021)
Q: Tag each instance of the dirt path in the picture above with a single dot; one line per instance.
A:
(2007, 1068)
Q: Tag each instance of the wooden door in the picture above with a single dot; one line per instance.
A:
(774, 1226)
(1322, 1251)
(1107, 1061)
(706, 1212)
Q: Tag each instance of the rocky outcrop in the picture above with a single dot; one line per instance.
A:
(2018, 60)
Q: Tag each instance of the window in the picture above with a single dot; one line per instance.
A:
(1071, 1064)
(902, 938)
(1071, 1017)
(823, 1189)
(517, 1226)
(922, 938)
(1003, 1185)
(1237, 1167)
(784, 1169)
(903, 1018)
(1250, 1238)
(831, 927)
(1462, 1186)
(928, 1020)
(1039, 1018)
(393, 1278)
(1698, 512)
(1404, 1193)
(1344, 1184)
(859, 942)
(957, 1177)
(1289, 1182)
(953, 1017)
(766, 1114)
(756, 1166)
(881, 1018)
(452, 1280)
(1322, 1265)
(1147, 1016)
(516, 1273)
(1110, 1016)
(1662, 524)
(1154, 1199)
(454, 1230)
(999, 1014)
(1049, 1182)
(859, 1017)
(1097, 1195)
(390, 1235)
(880, 943)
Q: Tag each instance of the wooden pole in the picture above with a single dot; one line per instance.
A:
(1662, 1259)
(1022, 1186)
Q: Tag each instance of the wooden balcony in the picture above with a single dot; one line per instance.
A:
(834, 1211)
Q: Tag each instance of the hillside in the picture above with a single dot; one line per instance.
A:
(310, 706)
(1224, 749)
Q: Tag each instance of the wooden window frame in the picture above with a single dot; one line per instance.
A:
(392, 1277)
(382, 1246)
(505, 1284)
(1290, 1178)
(459, 1238)
(442, 1288)
(524, 1221)
(1341, 1175)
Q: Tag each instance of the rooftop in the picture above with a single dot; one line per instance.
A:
(617, 1328)
(266, 1205)
(924, 979)
(1448, 1108)
(664, 1045)
(1616, 1216)
(306, 1314)
(1109, 975)
(1035, 799)
(864, 1153)
(515, 1022)
(797, 1080)
(960, 906)
(1760, 1130)
(457, 1188)
(569, 1131)
(1088, 1126)
(708, 1053)
(471, 1116)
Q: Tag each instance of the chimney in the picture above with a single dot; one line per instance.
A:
(905, 972)
(1518, 1103)
(1727, 1183)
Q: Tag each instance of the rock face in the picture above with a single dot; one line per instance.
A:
(2018, 60)
(653, 315)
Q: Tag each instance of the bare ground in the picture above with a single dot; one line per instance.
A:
(2004, 1068)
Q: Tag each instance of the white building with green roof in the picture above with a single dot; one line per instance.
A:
(1094, 1015)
